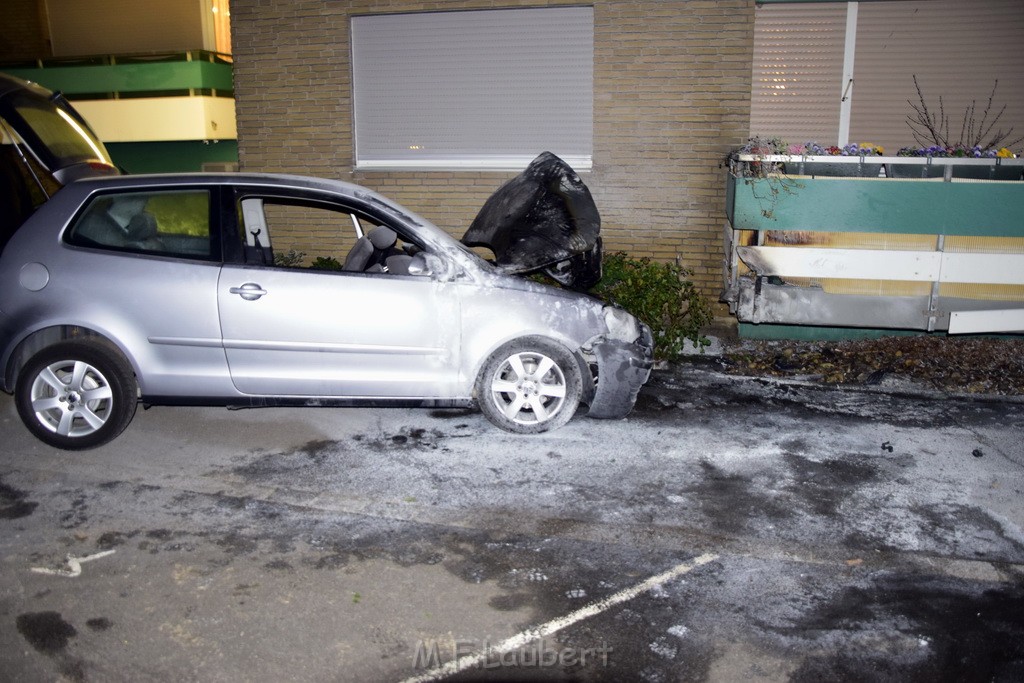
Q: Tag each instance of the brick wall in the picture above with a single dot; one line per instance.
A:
(671, 97)
(22, 31)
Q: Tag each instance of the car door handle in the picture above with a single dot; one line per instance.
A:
(250, 291)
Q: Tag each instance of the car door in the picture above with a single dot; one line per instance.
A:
(292, 330)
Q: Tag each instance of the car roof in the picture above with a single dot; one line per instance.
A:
(251, 179)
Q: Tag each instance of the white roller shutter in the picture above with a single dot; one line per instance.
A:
(473, 89)
(957, 50)
(798, 69)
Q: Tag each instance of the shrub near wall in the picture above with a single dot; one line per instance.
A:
(671, 98)
(659, 294)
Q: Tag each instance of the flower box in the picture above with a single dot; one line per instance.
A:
(955, 167)
(879, 166)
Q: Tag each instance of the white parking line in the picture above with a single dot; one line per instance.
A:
(521, 639)
(74, 565)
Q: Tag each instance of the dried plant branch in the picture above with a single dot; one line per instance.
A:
(926, 127)
(929, 128)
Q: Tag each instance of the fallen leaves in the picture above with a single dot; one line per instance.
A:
(952, 364)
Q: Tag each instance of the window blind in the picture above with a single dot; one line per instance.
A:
(797, 72)
(473, 89)
(956, 49)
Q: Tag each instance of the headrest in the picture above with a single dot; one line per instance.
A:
(382, 237)
(398, 264)
(141, 227)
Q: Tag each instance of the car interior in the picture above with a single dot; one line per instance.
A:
(166, 223)
(378, 252)
(294, 234)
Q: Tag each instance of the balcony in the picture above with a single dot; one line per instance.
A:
(849, 246)
(155, 112)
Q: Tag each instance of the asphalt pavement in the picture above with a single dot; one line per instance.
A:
(729, 529)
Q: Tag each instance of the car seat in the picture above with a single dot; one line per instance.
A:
(141, 232)
(370, 250)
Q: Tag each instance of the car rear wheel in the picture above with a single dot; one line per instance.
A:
(529, 386)
(76, 394)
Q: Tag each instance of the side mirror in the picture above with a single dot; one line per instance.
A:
(427, 265)
(418, 265)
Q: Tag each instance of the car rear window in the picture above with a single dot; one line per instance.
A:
(64, 137)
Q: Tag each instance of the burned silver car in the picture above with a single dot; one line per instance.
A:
(191, 289)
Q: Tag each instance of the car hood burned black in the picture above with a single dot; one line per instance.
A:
(543, 219)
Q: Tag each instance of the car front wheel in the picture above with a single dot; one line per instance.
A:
(529, 386)
(76, 394)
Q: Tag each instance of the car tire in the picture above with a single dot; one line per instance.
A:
(76, 394)
(529, 385)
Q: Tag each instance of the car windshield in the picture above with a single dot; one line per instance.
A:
(67, 139)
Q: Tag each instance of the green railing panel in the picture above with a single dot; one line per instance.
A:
(171, 157)
(993, 209)
(130, 78)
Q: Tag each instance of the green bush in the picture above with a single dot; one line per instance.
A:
(289, 259)
(660, 295)
(325, 263)
(181, 213)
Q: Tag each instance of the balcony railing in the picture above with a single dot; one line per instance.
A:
(156, 97)
(175, 74)
(839, 242)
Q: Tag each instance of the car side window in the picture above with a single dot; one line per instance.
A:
(167, 223)
(291, 233)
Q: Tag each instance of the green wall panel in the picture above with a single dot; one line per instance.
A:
(130, 78)
(171, 157)
(993, 209)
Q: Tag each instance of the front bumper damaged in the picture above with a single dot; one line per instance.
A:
(622, 368)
